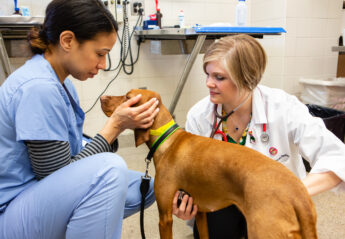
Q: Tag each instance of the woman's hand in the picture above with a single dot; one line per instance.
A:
(186, 210)
(127, 117)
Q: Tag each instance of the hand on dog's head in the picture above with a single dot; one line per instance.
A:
(110, 103)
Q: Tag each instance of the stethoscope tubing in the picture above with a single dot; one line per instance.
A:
(215, 128)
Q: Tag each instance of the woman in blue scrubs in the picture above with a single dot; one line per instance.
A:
(50, 186)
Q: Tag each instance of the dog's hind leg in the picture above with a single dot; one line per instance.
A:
(201, 223)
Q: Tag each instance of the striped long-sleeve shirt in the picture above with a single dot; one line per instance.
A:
(48, 156)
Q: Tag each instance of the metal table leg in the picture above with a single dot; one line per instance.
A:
(4, 57)
(196, 49)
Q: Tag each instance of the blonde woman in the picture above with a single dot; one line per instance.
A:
(264, 119)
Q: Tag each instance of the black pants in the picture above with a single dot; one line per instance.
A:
(227, 223)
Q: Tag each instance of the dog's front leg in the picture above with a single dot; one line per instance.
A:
(164, 198)
(201, 223)
(165, 225)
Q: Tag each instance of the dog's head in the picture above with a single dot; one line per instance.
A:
(110, 103)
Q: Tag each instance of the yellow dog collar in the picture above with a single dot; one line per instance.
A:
(161, 130)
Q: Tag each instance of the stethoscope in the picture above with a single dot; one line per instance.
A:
(215, 128)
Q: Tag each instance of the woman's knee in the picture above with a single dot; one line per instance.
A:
(108, 167)
(112, 164)
(104, 161)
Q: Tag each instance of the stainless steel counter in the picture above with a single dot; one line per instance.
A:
(20, 20)
(210, 32)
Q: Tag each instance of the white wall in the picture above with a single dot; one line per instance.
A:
(313, 28)
(305, 51)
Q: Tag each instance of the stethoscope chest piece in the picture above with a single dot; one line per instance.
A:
(264, 137)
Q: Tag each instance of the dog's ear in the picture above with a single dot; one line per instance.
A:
(141, 136)
(109, 103)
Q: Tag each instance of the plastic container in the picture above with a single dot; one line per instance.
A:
(25, 11)
(241, 13)
(328, 93)
(181, 18)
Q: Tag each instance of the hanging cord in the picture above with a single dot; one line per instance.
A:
(125, 37)
(123, 58)
(104, 90)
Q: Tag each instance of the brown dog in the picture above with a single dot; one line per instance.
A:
(216, 174)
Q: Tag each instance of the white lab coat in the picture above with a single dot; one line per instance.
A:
(291, 129)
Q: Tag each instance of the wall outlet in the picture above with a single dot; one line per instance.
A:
(137, 7)
(119, 12)
(115, 9)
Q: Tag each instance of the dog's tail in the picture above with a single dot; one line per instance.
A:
(306, 216)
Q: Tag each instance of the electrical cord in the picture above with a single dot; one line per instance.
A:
(104, 90)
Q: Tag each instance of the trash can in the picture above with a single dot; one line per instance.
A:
(333, 119)
(328, 93)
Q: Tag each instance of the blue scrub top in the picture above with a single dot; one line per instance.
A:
(34, 106)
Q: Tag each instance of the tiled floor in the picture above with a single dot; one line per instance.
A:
(330, 208)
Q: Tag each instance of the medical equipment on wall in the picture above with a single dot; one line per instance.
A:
(126, 56)
(126, 61)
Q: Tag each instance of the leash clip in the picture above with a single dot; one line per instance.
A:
(147, 176)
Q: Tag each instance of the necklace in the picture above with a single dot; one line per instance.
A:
(225, 127)
(236, 127)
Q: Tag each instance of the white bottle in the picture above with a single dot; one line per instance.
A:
(181, 19)
(241, 13)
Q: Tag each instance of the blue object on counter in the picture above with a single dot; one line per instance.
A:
(150, 24)
(25, 11)
(265, 30)
(16, 9)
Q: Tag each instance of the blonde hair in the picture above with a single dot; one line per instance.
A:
(242, 57)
